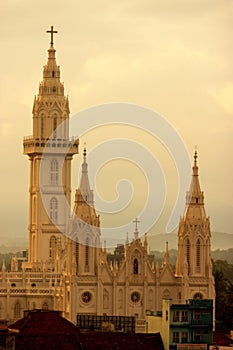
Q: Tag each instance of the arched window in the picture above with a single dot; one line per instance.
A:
(198, 255)
(45, 306)
(188, 254)
(55, 126)
(42, 126)
(135, 266)
(33, 306)
(52, 247)
(198, 296)
(53, 209)
(17, 310)
(54, 172)
(77, 253)
(87, 252)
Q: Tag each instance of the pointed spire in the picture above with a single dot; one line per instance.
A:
(84, 186)
(145, 241)
(166, 256)
(3, 266)
(195, 195)
(127, 238)
(51, 84)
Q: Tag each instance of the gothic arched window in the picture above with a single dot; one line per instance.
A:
(55, 126)
(198, 255)
(87, 252)
(53, 209)
(135, 266)
(188, 253)
(198, 296)
(77, 253)
(42, 126)
(54, 172)
(17, 310)
(45, 306)
(52, 247)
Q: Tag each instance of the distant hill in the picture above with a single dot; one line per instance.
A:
(219, 240)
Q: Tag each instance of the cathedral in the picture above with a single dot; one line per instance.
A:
(67, 268)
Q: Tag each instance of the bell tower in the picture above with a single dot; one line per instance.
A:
(194, 254)
(84, 229)
(50, 184)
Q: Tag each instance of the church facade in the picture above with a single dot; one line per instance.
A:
(67, 269)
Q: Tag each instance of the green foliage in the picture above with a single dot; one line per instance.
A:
(223, 275)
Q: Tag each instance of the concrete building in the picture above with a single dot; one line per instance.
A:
(70, 272)
(190, 323)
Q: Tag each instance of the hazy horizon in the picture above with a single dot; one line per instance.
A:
(174, 59)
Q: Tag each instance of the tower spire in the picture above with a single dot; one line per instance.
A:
(195, 195)
(84, 186)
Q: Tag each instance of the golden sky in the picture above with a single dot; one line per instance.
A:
(172, 56)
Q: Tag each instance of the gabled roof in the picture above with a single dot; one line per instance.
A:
(43, 329)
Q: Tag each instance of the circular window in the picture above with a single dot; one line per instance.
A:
(135, 297)
(86, 297)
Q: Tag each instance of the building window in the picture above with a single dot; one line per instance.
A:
(198, 296)
(135, 266)
(52, 247)
(54, 127)
(175, 337)
(184, 337)
(197, 335)
(42, 126)
(176, 316)
(135, 297)
(188, 254)
(197, 314)
(53, 209)
(54, 172)
(45, 306)
(198, 255)
(184, 316)
(77, 254)
(87, 252)
(86, 297)
(17, 310)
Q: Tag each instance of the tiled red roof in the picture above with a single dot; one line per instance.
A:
(42, 329)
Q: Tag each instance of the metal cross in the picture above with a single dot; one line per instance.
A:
(136, 222)
(51, 32)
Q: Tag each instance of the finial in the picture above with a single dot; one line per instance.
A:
(84, 150)
(51, 31)
(195, 156)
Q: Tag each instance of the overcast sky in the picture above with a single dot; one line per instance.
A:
(173, 56)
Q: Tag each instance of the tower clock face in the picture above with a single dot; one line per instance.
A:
(86, 297)
(135, 297)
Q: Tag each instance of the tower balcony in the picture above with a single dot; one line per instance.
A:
(32, 145)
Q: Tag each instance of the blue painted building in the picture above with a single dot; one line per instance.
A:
(190, 323)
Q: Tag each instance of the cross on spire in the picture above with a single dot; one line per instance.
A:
(51, 31)
(136, 221)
